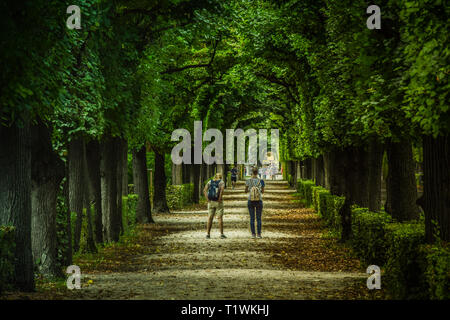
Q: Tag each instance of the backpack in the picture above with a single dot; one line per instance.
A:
(213, 191)
(255, 192)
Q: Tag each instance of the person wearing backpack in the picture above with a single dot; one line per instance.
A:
(213, 192)
(255, 187)
(234, 173)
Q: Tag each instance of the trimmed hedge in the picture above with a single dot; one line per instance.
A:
(405, 261)
(413, 270)
(179, 195)
(437, 272)
(304, 187)
(7, 246)
(316, 191)
(334, 205)
(326, 204)
(369, 230)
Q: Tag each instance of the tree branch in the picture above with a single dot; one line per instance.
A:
(193, 66)
(280, 82)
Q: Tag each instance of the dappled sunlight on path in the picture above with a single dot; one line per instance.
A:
(293, 260)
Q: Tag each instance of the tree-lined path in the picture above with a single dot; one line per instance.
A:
(293, 260)
(89, 120)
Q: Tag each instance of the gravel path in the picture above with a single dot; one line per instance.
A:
(292, 260)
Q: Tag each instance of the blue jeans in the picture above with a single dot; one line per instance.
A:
(252, 207)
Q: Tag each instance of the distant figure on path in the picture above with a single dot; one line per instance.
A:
(274, 171)
(255, 188)
(233, 177)
(213, 191)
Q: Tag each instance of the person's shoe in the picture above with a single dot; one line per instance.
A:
(222, 236)
(259, 236)
(253, 236)
(208, 236)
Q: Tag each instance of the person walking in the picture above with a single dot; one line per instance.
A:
(234, 172)
(213, 191)
(255, 188)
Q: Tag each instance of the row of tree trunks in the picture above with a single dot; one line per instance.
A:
(47, 171)
(355, 173)
(141, 186)
(196, 174)
(31, 176)
(310, 169)
(346, 173)
(15, 197)
(435, 200)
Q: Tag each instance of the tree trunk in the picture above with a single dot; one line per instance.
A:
(375, 164)
(196, 168)
(207, 172)
(210, 170)
(93, 166)
(125, 168)
(120, 145)
(143, 209)
(345, 176)
(360, 174)
(47, 171)
(313, 169)
(110, 221)
(186, 173)
(90, 242)
(177, 174)
(204, 174)
(341, 180)
(335, 172)
(221, 169)
(89, 200)
(326, 170)
(435, 200)
(159, 195)
(76, 185)
(319, 171)
(15, 198)
(67, 258)
(293, 168)
(401, 182)
(308, 168)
